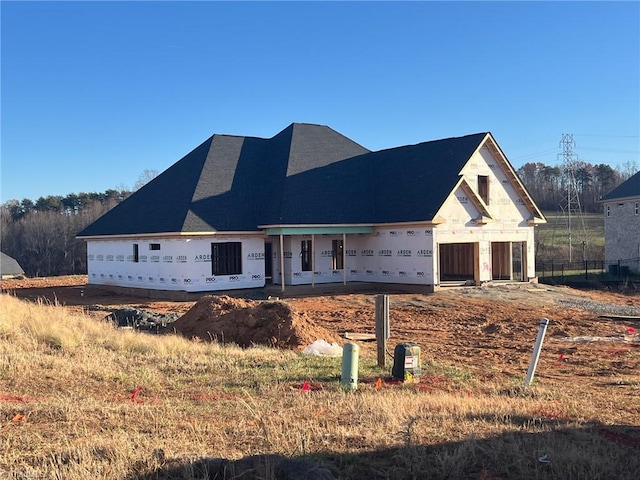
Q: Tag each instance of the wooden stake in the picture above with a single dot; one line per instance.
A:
(382, 328)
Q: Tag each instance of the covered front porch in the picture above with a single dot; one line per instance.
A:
(311, 255)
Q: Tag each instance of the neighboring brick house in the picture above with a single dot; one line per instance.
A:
(622, 226)
(311, 206)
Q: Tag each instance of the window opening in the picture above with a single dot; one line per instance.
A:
(483, 188)
(226, 258)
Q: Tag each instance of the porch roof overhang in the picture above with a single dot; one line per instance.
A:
(315, 229)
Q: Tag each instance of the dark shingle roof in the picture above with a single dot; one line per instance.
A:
(228, 183)
(629, 188)
(306, 174)
(162, 205)
(401, 184)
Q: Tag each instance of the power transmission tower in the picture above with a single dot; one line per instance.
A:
(570, 205)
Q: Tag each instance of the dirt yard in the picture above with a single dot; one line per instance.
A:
(487, 331)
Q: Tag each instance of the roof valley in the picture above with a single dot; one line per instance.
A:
(305, 174)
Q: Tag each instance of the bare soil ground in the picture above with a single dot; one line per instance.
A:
(487, 332)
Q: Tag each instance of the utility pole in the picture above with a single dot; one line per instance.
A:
(571, 203)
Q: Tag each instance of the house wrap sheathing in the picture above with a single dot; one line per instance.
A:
(310, 206)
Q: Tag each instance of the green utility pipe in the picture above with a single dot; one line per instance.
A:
(350, 353)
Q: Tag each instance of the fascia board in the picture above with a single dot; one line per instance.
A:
(427, 223)
(475, 198)
(168, 235)
(318, 230)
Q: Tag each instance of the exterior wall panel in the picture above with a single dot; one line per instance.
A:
(390, 255)
(180, 264)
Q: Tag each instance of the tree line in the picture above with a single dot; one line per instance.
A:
(41, 234)
(551, 186)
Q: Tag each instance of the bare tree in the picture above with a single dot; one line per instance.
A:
(628, 170)
(42, 236)
(144, 178)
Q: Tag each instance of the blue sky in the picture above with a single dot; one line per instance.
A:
(94, 93)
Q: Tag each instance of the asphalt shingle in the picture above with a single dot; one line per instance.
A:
(306, 174)
(629, 188)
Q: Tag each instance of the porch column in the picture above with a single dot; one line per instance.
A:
(282, 262)
(313, 260)
(344, 258)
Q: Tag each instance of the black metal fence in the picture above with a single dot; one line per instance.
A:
(589, 270)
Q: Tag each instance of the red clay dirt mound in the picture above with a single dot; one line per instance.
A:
(273, 323)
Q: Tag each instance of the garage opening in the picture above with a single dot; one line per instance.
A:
(457, 262)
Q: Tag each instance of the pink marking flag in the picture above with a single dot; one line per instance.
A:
(135, 393)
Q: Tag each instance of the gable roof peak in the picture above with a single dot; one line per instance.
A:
(302, 124)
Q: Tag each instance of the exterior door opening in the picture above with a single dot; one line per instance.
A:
(508, 261)
(501, 260)
(519, 260)
(268, 263)
(337, 254)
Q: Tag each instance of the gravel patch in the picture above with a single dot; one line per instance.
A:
(601, 308)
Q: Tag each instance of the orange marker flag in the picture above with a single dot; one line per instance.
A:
(18, 417)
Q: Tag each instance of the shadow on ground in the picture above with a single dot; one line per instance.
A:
(598, 451)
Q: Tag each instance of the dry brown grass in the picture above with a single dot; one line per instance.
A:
(69, 410)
